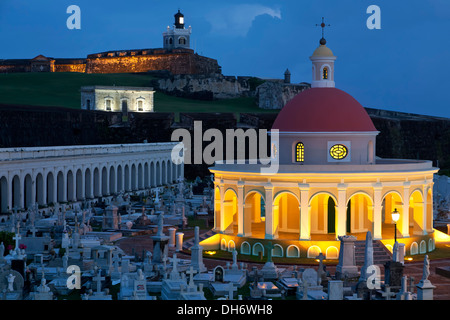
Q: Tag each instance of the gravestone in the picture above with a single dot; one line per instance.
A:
(346, 267)
(160, 240)
(197, 253)
(12, 283)
(335, 290)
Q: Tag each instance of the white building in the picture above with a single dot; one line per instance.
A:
(329, 182)
(117, 99)
(177, 36)
(46, 175)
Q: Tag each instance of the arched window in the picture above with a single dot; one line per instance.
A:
(182, 40)
(299, 152)
(325, 73)
(170, 41)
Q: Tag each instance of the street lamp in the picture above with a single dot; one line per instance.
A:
(395, 216)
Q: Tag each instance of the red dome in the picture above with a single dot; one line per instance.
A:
(323, 110)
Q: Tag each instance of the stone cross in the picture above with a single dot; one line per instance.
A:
(17, 238)
(191, 273)
(231, 290)
(387, 294)
(320, 270)
(99, 280)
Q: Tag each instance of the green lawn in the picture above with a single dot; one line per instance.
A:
(63, 89)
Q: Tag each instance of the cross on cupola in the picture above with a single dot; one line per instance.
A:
(323, 25)
(323, 62)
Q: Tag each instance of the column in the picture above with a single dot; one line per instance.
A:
(74, 186)
(403, 223)
(377, 212)
(222, 207)
(248, 212)
(341, 228)
(305, 212)
(91, 178)
(240, 205)
(55, 186)
(270, 223)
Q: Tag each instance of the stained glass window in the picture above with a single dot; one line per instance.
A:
(299, 152)
(338, 151)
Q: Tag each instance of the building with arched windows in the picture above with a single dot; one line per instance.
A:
(329, 182)
(49, 175)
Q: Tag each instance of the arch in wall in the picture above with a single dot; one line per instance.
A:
(257, 248)
(223, 244)
(423, 247)
(50, 185)
(416, 212)
(88, 191)
(4, 195)
(230, 216)
(313, 252)
(323, 213)
(231, 246)
(245, 248)
(414, 248)
(119, 175)
(254, 212)
(393, 200)
(112, 180)
(286, 212)
(431, 244)
(69, 188)
(277, 251)
(79, 185)
(293, 251)
(359, 212)
(27, 193)
(332, 253)
(40, 189)
(60, 187)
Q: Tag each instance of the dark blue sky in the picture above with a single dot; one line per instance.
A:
(404, 66)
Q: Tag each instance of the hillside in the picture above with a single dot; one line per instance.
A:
(63, 89)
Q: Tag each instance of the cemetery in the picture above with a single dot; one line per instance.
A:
(148, 247)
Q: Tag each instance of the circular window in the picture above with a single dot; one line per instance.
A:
(338, 151)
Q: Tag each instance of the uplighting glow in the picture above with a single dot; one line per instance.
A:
(439, 236)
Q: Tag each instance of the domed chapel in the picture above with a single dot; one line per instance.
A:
(329, 182)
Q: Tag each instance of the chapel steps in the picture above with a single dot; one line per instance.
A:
(189, 243)
(381, 254)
